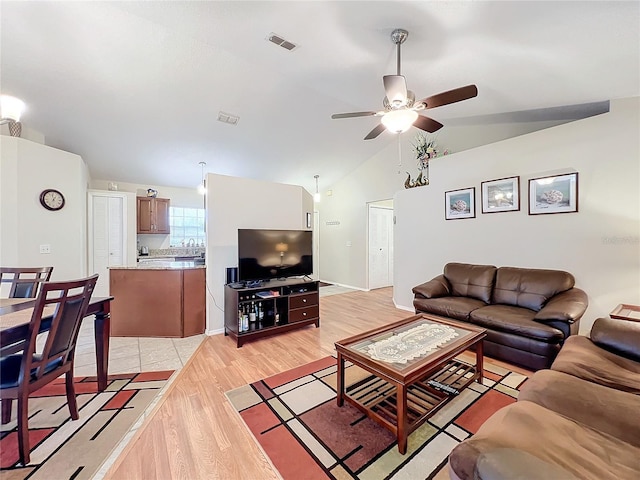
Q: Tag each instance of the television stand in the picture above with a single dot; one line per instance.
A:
(285, 305)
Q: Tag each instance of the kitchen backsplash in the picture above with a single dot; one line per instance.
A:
(176, 251)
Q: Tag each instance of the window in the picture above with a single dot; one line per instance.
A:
(186, 224)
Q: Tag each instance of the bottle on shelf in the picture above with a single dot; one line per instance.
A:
(245, 319)
(252, 313)
(260, 312)
(276, 315)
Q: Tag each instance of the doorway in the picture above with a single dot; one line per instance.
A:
(380, 244)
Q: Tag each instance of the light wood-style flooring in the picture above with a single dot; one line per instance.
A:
(195, 434)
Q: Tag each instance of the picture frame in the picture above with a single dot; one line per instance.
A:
(500, 195)
(459, 204)
(553, 194)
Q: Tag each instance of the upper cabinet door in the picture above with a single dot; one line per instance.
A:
(153, 215)
(145, 214)
(161, 211)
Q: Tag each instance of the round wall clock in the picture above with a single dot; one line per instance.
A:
(52, 199)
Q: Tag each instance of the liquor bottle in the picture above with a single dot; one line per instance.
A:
(240, 326)
(277, 315)
(252, 313)
(260, 312)
(245, 319)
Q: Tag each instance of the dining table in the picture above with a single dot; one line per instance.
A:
(15, 316)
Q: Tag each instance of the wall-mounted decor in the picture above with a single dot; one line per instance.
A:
(553, 194)
(501, 195)
(460, 203)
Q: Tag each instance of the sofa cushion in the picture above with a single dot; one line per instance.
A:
(474, 281)
(452, 307)
(529, 288)
(515, 320)
(581, 358)
(582, 451)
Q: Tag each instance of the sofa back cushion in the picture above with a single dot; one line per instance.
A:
(475, 281)
(528, 287)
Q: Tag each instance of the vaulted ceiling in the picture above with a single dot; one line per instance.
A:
(136, 87)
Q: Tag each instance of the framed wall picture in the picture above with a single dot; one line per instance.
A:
(501, 195)
(460, 203)
(553, 194)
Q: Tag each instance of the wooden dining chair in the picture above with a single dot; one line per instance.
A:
(23, 373)
(24, 281)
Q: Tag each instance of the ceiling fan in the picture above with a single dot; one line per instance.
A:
(400, 106)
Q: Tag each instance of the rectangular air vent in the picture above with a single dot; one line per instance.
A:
(278, 40)
(228, 118)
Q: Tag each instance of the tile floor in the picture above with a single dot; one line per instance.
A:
(132, 354)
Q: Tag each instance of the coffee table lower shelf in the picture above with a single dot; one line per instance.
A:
(377, 398)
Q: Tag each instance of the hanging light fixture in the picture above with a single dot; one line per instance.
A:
(11, 109)
(316, 196)
(202, 188)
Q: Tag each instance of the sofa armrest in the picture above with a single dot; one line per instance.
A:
(568, 306)
(437, 287)
(621, 337)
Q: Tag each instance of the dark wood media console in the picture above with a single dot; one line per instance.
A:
(286, 304)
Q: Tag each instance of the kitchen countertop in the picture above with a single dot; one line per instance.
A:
(160, 265)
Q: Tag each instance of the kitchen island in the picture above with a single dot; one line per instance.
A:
(158, 299)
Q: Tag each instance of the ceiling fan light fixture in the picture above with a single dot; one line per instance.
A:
(398, 121)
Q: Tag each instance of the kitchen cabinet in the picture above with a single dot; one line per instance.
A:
(158, 301)
(153, 215)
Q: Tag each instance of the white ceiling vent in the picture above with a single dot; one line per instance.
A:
(228, 118)
(278, 40)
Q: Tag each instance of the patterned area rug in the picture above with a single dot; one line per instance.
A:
(65, 449)
(295, 419)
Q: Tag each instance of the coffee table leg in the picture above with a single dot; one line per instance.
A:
(479, 360)
(340, 386)
(402, 418)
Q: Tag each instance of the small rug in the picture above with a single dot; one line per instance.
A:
(295, 419)
(65, 449)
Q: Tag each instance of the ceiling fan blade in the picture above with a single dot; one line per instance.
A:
(427, 124)
(352, 114)
(395, 87)
(451, 96)
(375, 132)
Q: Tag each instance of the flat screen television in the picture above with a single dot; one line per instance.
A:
(269, 254)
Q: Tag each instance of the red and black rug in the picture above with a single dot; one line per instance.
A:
(295, 419)
(62, 448)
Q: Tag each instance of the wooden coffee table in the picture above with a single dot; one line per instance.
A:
(413, 369)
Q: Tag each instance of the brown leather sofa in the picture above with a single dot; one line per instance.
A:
(578, 420)
(528, 313)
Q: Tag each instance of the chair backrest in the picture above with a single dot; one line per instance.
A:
(24, 281)
(69, 301)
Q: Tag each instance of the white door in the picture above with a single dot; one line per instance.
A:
(316, 245)
(107, 237)
(380, 247)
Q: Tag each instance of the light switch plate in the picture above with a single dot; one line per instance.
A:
(45, 248)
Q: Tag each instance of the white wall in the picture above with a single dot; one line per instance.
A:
(599, 245)
(234, 203)
(27, 168)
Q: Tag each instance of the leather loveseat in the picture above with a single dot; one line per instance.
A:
(528, 313)
(578, 420)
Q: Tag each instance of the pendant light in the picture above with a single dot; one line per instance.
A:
(316, 196)
(202, 188)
